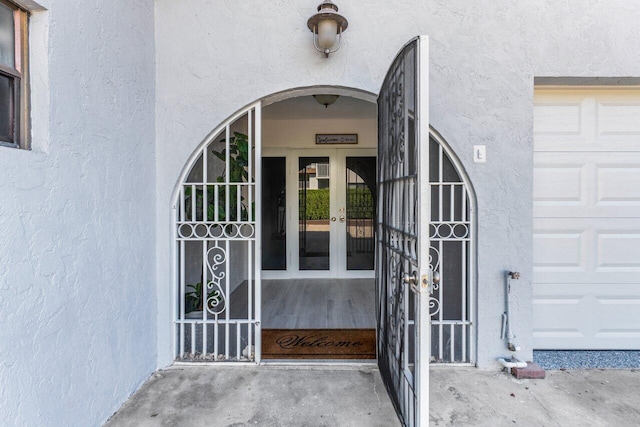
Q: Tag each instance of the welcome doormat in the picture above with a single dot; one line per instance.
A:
(319, 343)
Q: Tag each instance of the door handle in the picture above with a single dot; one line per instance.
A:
(333, 218)
(410, 279)
(341, 218)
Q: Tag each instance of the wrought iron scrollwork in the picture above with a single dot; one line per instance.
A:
(216, 299)
(397, 234)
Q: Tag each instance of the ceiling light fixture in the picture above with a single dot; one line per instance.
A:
(326, 100)
(327, 27)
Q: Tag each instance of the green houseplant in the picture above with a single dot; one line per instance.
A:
(238, 161)
(193, 300)
(238, 173)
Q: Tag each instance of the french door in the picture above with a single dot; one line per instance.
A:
(326, 221)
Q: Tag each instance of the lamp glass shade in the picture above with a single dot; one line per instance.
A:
(326, 100)
(327, 33)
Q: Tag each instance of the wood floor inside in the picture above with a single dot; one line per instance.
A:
(318, 304)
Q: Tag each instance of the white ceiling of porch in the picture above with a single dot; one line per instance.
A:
(306, 107)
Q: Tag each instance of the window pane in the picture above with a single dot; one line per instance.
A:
(313, 219)
(361, 208)
(6, 109)
(7, 37)
(274, 215)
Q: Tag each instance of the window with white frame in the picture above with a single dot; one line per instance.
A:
(322, 170)
(14, 94)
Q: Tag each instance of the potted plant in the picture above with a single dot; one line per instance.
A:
(193, 301)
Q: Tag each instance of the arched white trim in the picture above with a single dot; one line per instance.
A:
(306, 91)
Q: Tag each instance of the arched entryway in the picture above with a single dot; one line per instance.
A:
(222, 236)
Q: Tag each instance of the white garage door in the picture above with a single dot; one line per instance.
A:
(586, 219)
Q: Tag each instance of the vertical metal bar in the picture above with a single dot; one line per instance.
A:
(227, 162)
(181, 213)
(228, 297)
(424, 194)
(250, 167)
(216, 204)
(452, 347)
(464, 273)
(440, 298)
(238, 335)
(407, 333)
(193, 339)
(181, 297)
(204, 297)
(463, 261)
(205, 180)
(472, 286)
(440, 186)
(258, 234)
(452, 194)
(249, 294)
(464, 206)
(239, 202)
(216, 336)
(194, 196)
(423, 326)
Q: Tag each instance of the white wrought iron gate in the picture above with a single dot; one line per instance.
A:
(403, 277)
(217, 245)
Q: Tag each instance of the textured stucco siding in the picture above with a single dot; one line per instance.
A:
(484, 57)
(123, 92)
(77, 220)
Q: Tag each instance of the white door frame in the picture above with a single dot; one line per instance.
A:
(338, 249)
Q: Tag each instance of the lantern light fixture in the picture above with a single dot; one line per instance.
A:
(327, 27)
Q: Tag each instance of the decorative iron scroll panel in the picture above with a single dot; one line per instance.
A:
(451, 244)
(217, 250)
(398, 230)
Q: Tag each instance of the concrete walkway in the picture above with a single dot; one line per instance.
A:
(355, 396)
(470, 397)
(260, 396)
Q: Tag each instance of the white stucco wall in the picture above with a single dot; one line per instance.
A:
(123, 92)
(77, 270)
(484, 55)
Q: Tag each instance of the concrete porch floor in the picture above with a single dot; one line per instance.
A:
(355, 396)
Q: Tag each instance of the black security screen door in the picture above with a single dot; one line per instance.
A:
(402, 266)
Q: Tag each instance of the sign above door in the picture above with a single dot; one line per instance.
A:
(348, 138)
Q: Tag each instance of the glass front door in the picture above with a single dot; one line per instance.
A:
(326, 228)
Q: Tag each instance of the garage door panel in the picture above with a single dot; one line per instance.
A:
(559, 185)
(597, 250)
(555, 118)
(618, 117)
(558, 316)
(597, 120)
(618, 185)
(560, 250)
(618, 251)
(617, 315)
(586, 185)
(570, 320)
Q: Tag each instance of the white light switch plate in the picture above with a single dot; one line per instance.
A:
(479, 153)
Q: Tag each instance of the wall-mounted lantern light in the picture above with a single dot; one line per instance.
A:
(327, 27)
